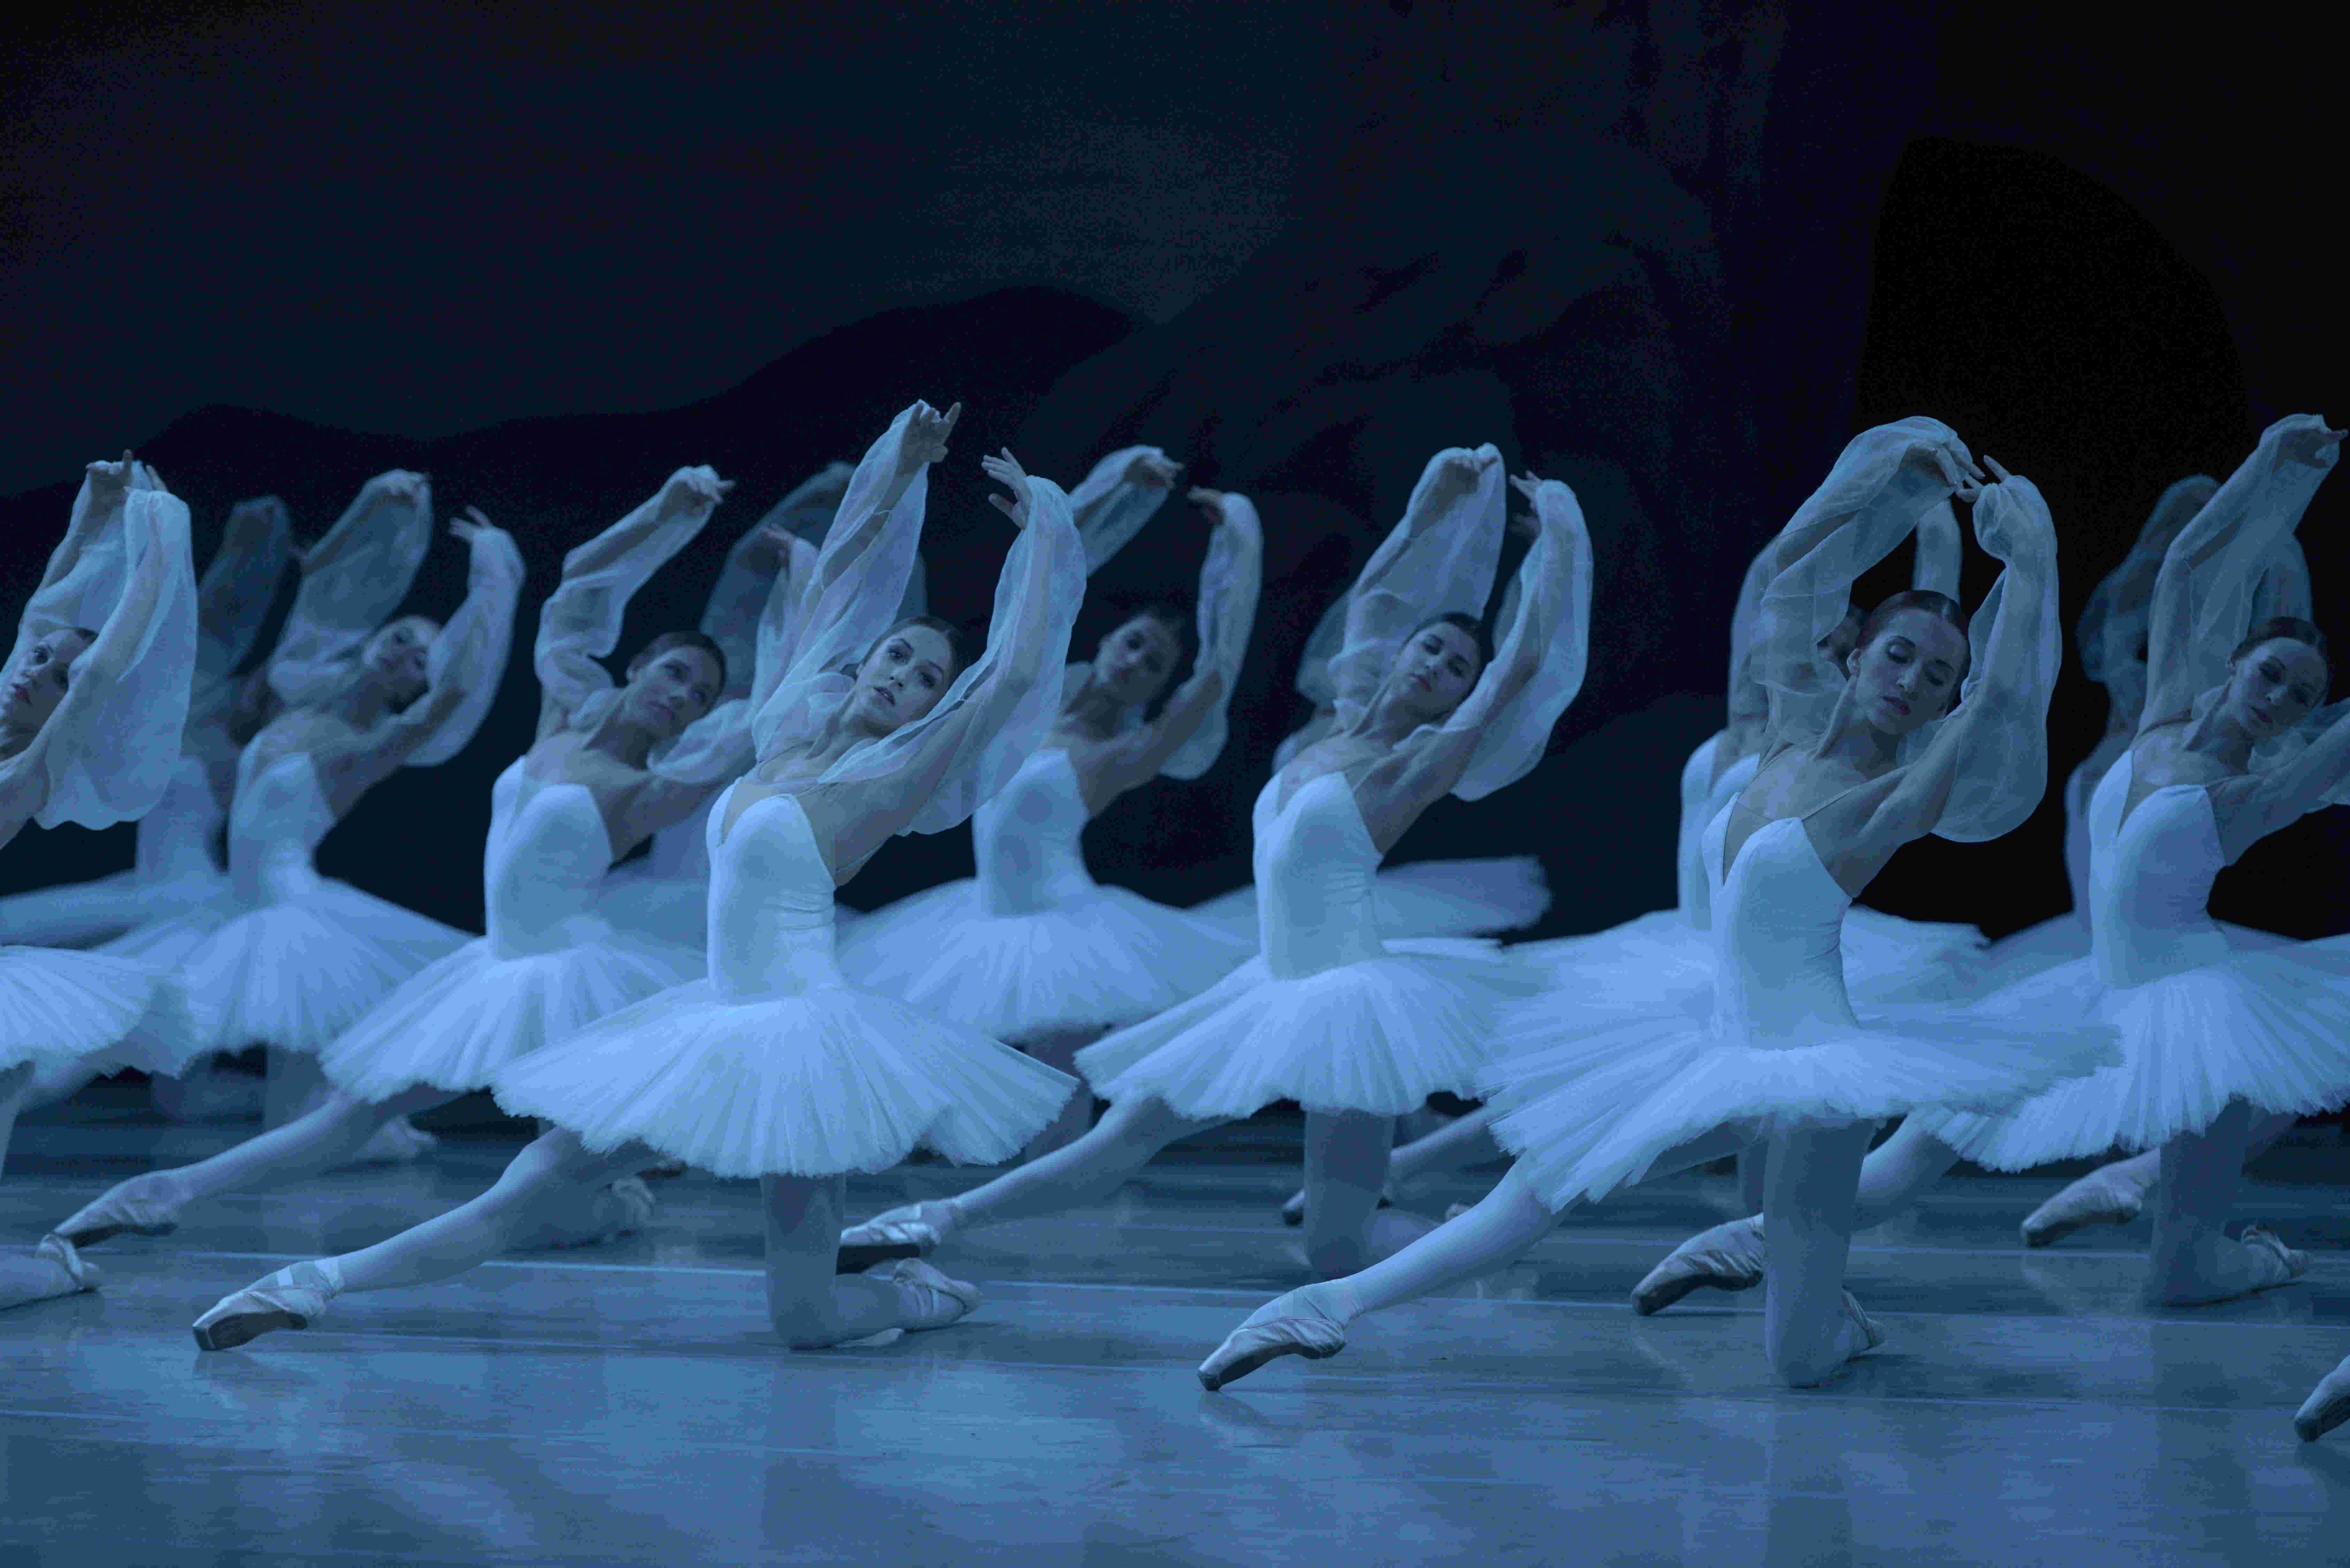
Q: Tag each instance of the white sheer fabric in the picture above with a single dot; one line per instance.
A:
(2114, 624)
(1230, 580)
(1002, 704)
(124, 571)
(234, 596)
(470, 651)
(353, 581)
(1110, 507)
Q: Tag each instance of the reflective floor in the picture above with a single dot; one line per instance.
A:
(628, 1404)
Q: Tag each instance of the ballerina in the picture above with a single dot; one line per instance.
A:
(773, 1066)
(1035, 951)
(289, 959)
(1357, 1029)
(1782, 1057)
(92, 702)
(610, 767)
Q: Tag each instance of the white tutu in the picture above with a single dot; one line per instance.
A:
(1426, 898)
(59, 1007)
(833, 1079)
(1105, 957)
(1377, 1036)
(85, 914)
(457, 1022)
(2270, 1026)
(293, 975)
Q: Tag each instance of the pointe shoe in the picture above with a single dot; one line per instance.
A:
(394, 1143)
(910, 1232)
(1293, 1213)
(2280, 1264)
(2094, 1200)
(56, 1249)
(1727, 1258)
(290, 1298)
(1871, 1336)
(1286, 1325)
(2327, 1407)
(142, 1206)
(48, 1272)
(931, 1300)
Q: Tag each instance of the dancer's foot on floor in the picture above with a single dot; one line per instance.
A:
(1292, 1324)
(145, 1205)
(912, 1230)
(2097, 1199)
(2258, 1261)
(1727, 1258)
(45, 1273)
(294, 1297)
(2327, 1407)
(931, 1299)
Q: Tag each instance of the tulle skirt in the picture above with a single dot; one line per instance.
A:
(826, 1081)
(1590, 1109)
(58, 1008)
(1106, 958)
(84, 914)
(2270, 1025)
(672, 910)
(1379, 1035)
(462, 1019)
(1426, 898)
(293, 975)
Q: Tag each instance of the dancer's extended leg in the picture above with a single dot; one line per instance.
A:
(2115, 1193)
(1088, 1171)
(1312, 1321)
(810, 1306)
(2327, 1407)
(2193, 1262)
(327, 1137)
(1809, 1200)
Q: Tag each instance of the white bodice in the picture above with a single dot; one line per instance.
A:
(1777, 936)
(1314, 864)
(175, 839)
(547, 855)
(2150, 880)
(1024, 839)
(682, 852)
(1703, 798)
(274, 825)
(771, 903)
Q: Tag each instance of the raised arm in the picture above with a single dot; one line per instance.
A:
(1942, 551)
(875, 490)
(928, 775)
(2204, 593)
(1124, 492)
(1442, 557)
(1186, 738)
(238, 583)
(580, 622)
(1503, 726)
(352, 582)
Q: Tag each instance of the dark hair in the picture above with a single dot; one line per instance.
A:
(1466, 622)
(84, 633)
(2289, 628)
(669, 642)
(1943, 606)
(959, 641)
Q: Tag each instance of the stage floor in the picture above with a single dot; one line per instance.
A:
(627, 1405)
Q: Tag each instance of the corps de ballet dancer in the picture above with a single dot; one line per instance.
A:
(611, 765)
(773, 1066)
(93, 699)
(1856, 766)
(1358, 1028)
(1032, 950)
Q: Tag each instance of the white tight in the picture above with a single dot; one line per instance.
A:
(24, 1278)
(1059, 1051)
(13, 1085)
(809, 1307)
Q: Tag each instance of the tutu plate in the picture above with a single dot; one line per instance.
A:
(58, 1007)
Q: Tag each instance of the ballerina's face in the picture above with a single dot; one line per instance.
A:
(1434, 670)
(1909, 674)
(901, 679)
(669, 691)
(1135, 660)
(35, 681)
(396, 656)
(2274, 686)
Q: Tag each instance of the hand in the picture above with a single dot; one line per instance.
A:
(1210, 504)
(698, 485)
(1005, 471)
(925, 437)
(1950, 460)
(1527, 525)
(471, 526)
(2011, 521)
(1154, 470)
(111, 477)
(2309, 441)
(1459, 476)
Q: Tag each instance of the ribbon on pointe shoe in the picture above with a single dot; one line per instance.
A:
(2287, 1263)
(1730, 1257)
(931, 1300)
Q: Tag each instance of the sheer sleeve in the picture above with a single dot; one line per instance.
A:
(730, 620)
(1747, 693)
(2112, 634)
(353, 581)
(1550, 611)
(1110, 508)
(1230, 580)
(717, 746)
(470, 651)
(1941, 552)
(2015, 648)
(580, 623)
(2224, 563)
(234, 596)
(1883, 482)
(849, 597)
(108, 752)
(1442, 558)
